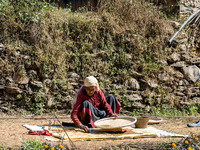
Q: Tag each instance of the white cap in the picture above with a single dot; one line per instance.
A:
(91, 81)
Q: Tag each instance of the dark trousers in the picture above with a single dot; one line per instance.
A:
(90, 114)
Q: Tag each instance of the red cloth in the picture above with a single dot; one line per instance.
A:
(45, 132)
(98, 100)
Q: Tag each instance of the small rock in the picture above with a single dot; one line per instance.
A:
(183, 47)
(50, 102)
(23, 80)
(180, 94)
(163, 77)
(134, 97)
(133, 84)
(179, 75)
(9, 80)
(4, 108)
(136, 74)
(138, 105)
(37, 84)
(174, 57)
(192, 73)
(179, 64)
(181, 83)
(13, 89)
(73, 76)
(163, 62)
(117, 86)
(152, 83)
(181, 88)
(185, 57)
(195, 61)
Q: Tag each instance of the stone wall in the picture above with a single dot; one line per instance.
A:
(179, 6)
(189, 6)
(178, 86)
(192, 3)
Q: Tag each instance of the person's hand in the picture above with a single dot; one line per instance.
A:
(85, 128)
(114, 115)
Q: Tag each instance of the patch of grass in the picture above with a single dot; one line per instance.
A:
(165, 112)
(165, 145)
(31, 145)
(36, 145)
(3, 146)
(189, 143)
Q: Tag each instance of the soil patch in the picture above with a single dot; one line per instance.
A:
(13, 133)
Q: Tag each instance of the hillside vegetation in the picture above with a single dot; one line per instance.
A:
(46, 52)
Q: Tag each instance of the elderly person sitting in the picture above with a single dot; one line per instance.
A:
(91, 105)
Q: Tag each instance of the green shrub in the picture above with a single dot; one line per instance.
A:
(116, 39)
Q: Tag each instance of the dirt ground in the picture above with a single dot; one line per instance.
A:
(13, 133)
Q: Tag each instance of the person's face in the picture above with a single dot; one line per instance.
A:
(90, 90)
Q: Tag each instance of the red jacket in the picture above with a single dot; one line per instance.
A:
(98, 100)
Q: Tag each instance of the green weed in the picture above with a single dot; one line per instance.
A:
(36, 145)
(167, 112)
(3, 146)
(190, 143)
(31, 145)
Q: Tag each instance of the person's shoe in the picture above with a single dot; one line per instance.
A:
(196, 124)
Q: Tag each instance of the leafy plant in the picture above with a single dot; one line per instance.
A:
(189, 143)
(36, 145)
(31, 145)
